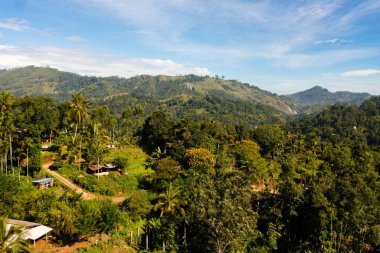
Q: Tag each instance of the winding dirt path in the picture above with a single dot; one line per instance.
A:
(67, 183)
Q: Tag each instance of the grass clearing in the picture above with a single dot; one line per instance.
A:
(136, 159)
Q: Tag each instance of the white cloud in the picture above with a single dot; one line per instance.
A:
(363, 9)
(332, 41)
(75, 38)
(283, 33)
(361, 72)
(92, 62)
(14, 24)
(325, 58)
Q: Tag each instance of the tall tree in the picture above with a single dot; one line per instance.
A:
(170, 202)
(220, 213)
(78, 111)
(97, 139)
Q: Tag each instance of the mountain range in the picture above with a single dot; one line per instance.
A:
(319, 96)
(190, 95)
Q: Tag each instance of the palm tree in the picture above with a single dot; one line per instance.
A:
(78, 111)
(97, 138)
(11, 238)
(170, 202)
(6, 101)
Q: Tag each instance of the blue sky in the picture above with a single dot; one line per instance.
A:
(280, 46)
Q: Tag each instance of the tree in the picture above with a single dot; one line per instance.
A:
(167, 169)
(78, 111)
(220, 213)
(271, 139)
(200, 159)
(248, 158)
(11, 238)
(170, 202)
(97, 139)
(138, 204)
(40, 116)
(155, 131)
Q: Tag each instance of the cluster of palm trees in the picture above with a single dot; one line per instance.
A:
(95, 135)
(84, 133)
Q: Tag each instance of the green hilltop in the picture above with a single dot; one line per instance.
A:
(195, 96)
(320, 96)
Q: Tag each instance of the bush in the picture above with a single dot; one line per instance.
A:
(108, 185)
(69, 171)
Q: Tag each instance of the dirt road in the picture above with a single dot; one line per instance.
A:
(85, 195)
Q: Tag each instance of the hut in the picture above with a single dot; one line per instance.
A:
(29, 230)
(44, 183)
(100, 170)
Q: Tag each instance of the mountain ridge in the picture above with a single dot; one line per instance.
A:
(319, 96)
(58, 85)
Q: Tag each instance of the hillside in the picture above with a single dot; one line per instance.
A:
(320, 96)
(179, 95)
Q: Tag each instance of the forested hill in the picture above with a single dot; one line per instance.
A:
(320, 96)
(192, 95)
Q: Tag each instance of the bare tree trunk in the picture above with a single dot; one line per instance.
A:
(10, 152)
(75, 133)
(80, 151)
(6, 162)
(27, 161)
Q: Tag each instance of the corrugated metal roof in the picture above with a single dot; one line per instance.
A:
(43, 180)
(22, 223)
(36, 232)
(30, 230)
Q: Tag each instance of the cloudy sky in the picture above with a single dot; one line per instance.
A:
(280, 46)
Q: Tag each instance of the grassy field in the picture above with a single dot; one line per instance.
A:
(113, 184)
(136, 159)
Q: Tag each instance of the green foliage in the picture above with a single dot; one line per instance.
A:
(38, 115)
(249, 159)
(200, 159)
(110, 185)
(227, 183)
(271, 139)
(70, 171)
(170, 202)
(132, 157)
(15, 196)
(223, 100)
(166, 170)
(137, 204)
(220, 212)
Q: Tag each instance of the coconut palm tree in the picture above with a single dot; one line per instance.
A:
(6, 101)
(78, 111)
(170, 202)
(97, 139)
(11, 239)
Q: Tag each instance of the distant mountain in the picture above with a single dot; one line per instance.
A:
(179, 95)
(318, 96)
